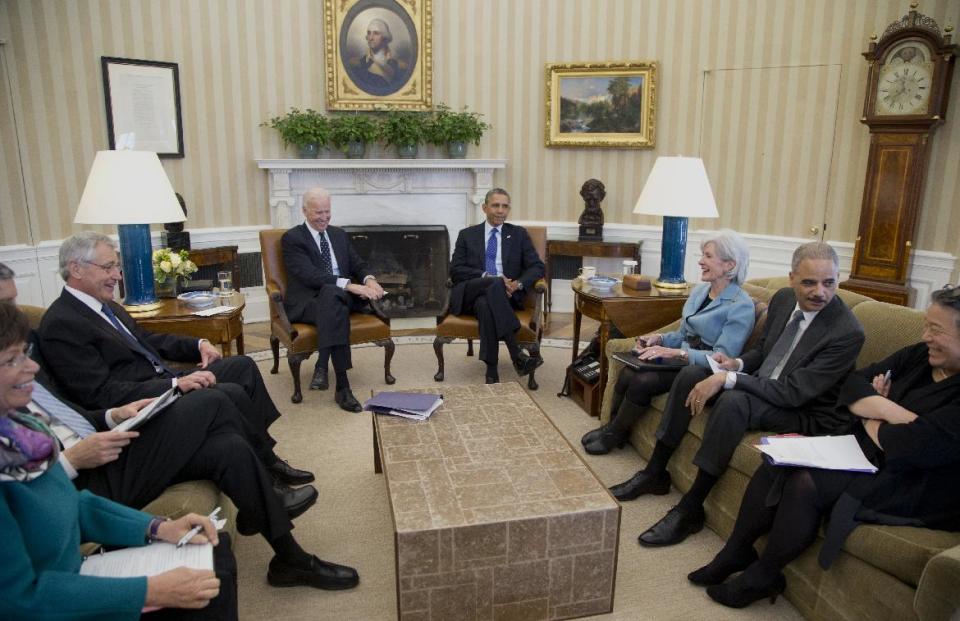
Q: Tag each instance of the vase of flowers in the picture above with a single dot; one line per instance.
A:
(169, 268)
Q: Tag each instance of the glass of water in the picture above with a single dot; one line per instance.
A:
(226, 283)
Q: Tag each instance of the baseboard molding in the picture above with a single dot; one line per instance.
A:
(39, 283)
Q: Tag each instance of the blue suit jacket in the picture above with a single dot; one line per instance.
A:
(724, 325)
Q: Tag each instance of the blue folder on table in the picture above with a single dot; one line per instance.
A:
(420, 405)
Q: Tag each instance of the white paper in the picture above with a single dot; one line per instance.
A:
(215, 310)
(827, 452)
(150, 560)
(149, 411)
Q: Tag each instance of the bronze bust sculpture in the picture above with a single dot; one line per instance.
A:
(173, 235)
(591, 220)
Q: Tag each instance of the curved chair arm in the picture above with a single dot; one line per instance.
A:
(539, 295)
(279, 313)
(378, 311)
(445, 309)
(937, 596)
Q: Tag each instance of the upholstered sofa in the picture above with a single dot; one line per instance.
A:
(883, 572)
(182, 498)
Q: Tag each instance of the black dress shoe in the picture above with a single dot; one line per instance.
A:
(642, 483)
(345, 399)
(592, 435)
(296, 500)
(739, 594)
(285, 473)
(320, 575)
(606, 442)
(319, 381)
(492, 379)
(525, 365)
(724, 565)
(674, 527)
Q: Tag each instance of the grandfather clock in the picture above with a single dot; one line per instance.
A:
(907, 89)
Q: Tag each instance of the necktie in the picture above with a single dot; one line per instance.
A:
(61, 411)
(772, 366)
(491, 254)
(135, 344)
(326, 265)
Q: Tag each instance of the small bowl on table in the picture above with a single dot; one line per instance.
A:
(602, 282)
(198, 299)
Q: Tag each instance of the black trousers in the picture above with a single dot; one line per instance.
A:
(223, 607)
(329, 312)
(486, 298)
(191, 443)
(732, 414)
(258, 407)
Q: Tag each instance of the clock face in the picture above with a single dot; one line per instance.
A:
(904, 84)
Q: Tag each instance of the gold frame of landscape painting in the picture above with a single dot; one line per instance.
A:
(379, 54)
(605, 105)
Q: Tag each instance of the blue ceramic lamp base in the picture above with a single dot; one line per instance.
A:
(673, 250)
(135, 255)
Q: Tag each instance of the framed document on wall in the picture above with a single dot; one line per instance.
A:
(142, 98)
(379, 54)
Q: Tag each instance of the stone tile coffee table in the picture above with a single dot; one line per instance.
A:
(495, 516)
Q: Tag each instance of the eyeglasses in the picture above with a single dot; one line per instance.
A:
(936, 331)
(20, 359)
(107, 267)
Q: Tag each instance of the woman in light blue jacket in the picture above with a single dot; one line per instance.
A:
(718, 316)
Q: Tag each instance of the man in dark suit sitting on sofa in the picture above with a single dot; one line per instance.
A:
(494, 264)
(787, 383)
(326, 279)
(100, 358)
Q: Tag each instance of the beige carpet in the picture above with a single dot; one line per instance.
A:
(351, 522)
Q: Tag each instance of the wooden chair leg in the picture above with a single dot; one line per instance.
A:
(534, 350)
(469, 347)
(275, 347)
(295, 360)
(438, 344)
(389, 347)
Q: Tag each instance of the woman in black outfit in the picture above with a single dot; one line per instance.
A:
(908, 426)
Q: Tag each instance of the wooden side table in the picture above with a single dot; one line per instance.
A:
(634, 312)
(574, 248)
(175, 317)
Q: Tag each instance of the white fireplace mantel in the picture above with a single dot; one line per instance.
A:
(383, 191)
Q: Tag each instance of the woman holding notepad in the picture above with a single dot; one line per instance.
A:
(718, 316)
(908, 424)
(43, 520)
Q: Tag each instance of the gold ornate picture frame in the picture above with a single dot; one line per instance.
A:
(606, 105)
(379, 54)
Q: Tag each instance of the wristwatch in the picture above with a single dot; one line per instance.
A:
(684, 355)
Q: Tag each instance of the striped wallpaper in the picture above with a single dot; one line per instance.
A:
(768, 92)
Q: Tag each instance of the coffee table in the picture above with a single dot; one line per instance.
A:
(495, 516)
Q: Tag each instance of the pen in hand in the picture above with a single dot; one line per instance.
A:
(196, 529)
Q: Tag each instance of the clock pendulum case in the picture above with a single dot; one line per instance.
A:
(907, 91)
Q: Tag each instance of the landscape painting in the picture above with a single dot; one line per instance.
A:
(601, 105)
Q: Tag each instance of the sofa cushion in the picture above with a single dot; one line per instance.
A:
(888, 328)
(902, 551)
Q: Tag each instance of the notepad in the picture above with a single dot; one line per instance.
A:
(631, 359)
(150, 410)
(826, 452)
(150, 560)
(215, 310)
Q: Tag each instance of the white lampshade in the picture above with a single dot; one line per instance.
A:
(679, 187)
(128, 187)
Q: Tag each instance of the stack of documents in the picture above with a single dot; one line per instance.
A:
(418, 406)
(827, 452)
(149, 411)
(214, 310)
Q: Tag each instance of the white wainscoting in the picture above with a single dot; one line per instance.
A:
(39, 283)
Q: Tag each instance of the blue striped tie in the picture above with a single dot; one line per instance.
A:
(491, 263)
(61, 411)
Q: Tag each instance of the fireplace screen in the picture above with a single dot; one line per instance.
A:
(409, 262)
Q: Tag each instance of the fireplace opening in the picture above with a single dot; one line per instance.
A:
(409, 262)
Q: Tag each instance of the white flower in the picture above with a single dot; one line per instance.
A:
(174, 260)
(165, 266)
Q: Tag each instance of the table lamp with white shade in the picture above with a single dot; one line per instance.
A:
(130, 189)
(677, 189)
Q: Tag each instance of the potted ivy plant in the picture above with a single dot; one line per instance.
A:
(456, 129)
(402, 129)
(308, 130)
(350, 133)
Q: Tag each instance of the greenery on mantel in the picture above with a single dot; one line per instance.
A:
(450, 126)
(301, 127)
